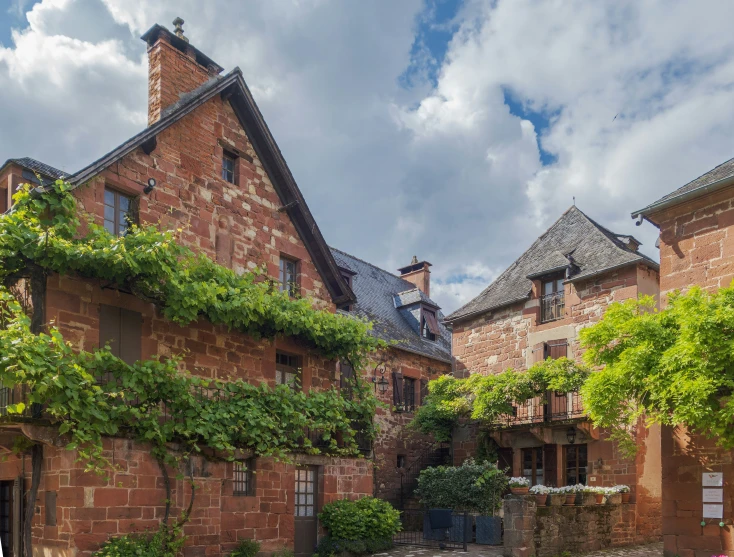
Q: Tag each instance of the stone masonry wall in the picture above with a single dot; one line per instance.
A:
(696, 248)
(90, 509)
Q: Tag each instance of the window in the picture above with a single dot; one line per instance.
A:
(118, 215)
(552, 302)
(429, 324)
(532, 465)
(409, 394)
(347, 276)
(288, 276)
(228, 166)
(575, 464)
(244, 479)
(346, 380)
(287, 369)
(401, 461)
(123, 330)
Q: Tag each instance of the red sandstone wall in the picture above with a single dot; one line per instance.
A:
(696, 248)
(90, 509)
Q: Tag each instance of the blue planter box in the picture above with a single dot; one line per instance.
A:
(460, 530)
(489, 530)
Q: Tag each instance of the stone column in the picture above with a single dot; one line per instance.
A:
(519, 521)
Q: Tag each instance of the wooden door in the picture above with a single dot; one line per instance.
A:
(6, 518)
(306, 511)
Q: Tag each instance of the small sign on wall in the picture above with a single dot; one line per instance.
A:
(713, 511)
(713, 495)
(713, 479)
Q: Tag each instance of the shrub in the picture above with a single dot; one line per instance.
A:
(470, 487)
(284, 552)
(329, 547)
(246, 548)
(364, 519)
(164, 543)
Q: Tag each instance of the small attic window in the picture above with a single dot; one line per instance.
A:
(429, 324)
(347, 276)
(228, 166)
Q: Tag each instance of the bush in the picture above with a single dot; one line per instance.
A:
(284, 552)
(470, 487)
(246, 548)
(329, 547)
(361, 520)
(164, 543)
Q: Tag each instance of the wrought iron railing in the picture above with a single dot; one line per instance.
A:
(554, 407)
(418, 530)
(552, 307)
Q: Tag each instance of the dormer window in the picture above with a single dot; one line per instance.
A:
(552, 300)
(429, 324)
(347, 276)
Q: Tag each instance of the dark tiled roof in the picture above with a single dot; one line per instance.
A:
(722, 172)
(594, 249)
(378, 292)
(37, 166)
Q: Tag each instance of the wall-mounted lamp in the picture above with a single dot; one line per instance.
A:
(380, 383)
(571, 435)
(149, 188)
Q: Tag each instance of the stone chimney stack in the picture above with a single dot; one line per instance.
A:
(174, 67)
(419, 274)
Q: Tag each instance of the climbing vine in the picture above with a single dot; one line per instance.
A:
(673, 367)
(486, 398)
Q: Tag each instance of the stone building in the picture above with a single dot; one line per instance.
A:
(206, 163)
(534, 310)
(696, 225)
(403, 314)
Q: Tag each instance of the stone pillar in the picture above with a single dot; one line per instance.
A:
(519, 521)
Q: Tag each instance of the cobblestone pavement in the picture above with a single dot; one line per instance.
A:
(651, 550)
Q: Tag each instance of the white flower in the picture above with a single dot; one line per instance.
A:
(519, 482)
(540, 490)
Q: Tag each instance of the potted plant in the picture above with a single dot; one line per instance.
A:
(493, 483)
(586, 495)
(556, 496)
(519, 486)
(541, 493)
(570, 491)
(599, 493)
(625, 491)
(614, 496)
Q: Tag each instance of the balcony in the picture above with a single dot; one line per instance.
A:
(552, 307)
(560, 407)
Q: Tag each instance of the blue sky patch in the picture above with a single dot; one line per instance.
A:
(540, 120)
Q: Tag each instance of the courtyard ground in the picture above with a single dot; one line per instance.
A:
(650, 550)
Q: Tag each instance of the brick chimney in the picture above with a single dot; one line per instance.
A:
(419, 274)
(174, 67)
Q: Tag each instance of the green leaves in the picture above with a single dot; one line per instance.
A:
(361, 520)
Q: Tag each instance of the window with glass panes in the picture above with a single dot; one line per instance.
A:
(552, 300)
(117, 212)
(288, 276)
(243, 481)
(575, 464)
(228, 166)
(532, 465)
(409, 394)
(305, 492)
(287, 369)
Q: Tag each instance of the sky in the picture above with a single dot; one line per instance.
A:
(454, 130)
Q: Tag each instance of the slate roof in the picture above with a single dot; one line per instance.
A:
(594, 249)
(724, 171)
(393, 305)
(37, 166)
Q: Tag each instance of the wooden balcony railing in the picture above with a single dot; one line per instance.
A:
(558, 407)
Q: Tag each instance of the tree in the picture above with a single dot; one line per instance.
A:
(673, 367)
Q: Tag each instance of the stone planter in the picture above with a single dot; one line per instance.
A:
(615, 499)
(570, 499)
(489, 530)
(626, 497)
(556, 499)
(519, 490)
(541, 500)
(586, 499)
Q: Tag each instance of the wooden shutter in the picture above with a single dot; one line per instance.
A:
(431, 321)
(123, 330)
(397, 389)
(109, 328)
(557, 348)
(550, 465)
(538, 353)
(423, 392)
(17, 514)
(504, 460)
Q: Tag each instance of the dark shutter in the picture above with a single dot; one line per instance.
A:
(557, 348)
(424, 392)
(109, 328)
(17, 517)
(397, 389)
(430, 318)
(504, 460)
(551, 465)
(539, 352)
(131, 332)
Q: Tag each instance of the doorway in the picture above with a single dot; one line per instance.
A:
(6, 517)
(532, 465)
(306, 511)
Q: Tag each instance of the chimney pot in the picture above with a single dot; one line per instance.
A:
(178, 28)
(419, 274)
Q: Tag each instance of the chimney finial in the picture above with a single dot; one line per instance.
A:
(414, 261)
(178, 28)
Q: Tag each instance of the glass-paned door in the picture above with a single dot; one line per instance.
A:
(532, 465)
(306, 511)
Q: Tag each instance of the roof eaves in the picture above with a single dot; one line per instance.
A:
(682, 198)
(640, 259)
(453, 318)
(419, 353)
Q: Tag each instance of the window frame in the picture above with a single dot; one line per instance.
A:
(297, 369)
(577, 468)
(292, 287)
(534, 452)
(426, 333)
(409, 398)
(229, 156)
(129, 214)
(555, 299)
(243, 475)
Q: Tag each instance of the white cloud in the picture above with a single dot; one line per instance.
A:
(443, 171)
